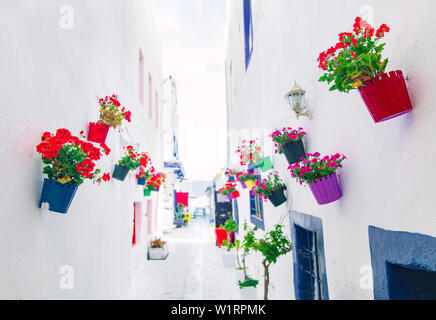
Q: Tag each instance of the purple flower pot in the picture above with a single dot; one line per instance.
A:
(326, 189)
(229, 196)
(244, 186)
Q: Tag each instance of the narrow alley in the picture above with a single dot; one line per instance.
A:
(213, 150)
(192, 271)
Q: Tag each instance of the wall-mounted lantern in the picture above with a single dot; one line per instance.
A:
(296, 98)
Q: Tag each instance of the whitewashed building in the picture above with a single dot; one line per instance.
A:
(381, 234)
(56, 60)
(173, 167)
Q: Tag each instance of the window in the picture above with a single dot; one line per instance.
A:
(410, 283)
(175, 147)
(309, 264)
(150, 96)
(141, 78)
(310, 277)
(256, 211)
(403, 265)
(248, 32)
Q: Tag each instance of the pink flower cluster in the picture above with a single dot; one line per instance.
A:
(313, 167)
(286, 135)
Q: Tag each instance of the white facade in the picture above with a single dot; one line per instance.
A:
(170, 125)
(56, 60)
(388, 179)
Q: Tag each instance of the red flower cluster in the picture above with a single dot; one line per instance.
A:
(158, 243)
(155, 180)
(85, 168)
(142, 157)
(382, 30)
(228, 188)
(145, 173)
(348, 39)
(127, 114)
(77, 154)
(111, 111)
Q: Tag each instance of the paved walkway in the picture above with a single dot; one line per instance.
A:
(193, 270)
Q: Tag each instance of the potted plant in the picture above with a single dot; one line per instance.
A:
(223, 234)
(274, 245)
(249, 153)
(68, 161)
(229, 190)
(271, 188)
(142, 175)
(245, 246)
(111, 115)
(132, 160)
(154, 180)
(289, 142)
(247, 179)
(248, 288)
(356, 62)
(229, 257)
(231, 174)
(320, 174)
(157, 250)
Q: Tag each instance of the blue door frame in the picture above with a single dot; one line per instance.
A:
(304, 226)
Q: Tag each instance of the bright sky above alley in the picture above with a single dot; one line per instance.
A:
(192, 33)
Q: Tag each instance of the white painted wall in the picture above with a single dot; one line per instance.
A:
(51, 78)
(388, 180)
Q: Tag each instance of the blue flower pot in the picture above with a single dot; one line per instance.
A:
(251, 167)
(120, 172)
(141, 181)
(57, 195)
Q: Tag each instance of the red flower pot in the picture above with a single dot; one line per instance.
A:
(97, 132)
(221, 235)
(386, 97)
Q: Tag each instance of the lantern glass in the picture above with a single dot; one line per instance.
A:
(296, 100)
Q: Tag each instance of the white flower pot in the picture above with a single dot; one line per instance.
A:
(158, 253)
(240, 276)
(249, 293)
(229, 259)
(222, 198)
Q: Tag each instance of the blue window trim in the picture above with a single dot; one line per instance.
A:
(254, 220)
(410, 250)
(176, 147)
(313, 224)
(248, 32)
(235, 212)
